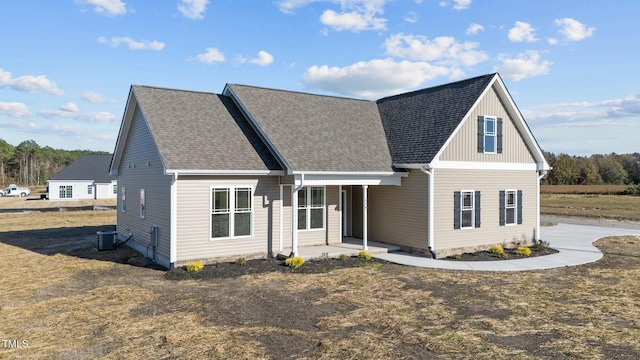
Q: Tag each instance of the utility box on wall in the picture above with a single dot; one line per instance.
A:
(106, 240)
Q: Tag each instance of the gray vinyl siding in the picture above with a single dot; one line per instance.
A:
(399, 214)
(194, 216)
(464, 146)
(489, 183)
(141, 168)
(356, 211)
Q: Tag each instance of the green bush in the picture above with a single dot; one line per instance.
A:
(241, 261)
(523, 251)
(343, 257)
(194, 266)
(496, 249)
(364, 254)
(294, 262)
(456, 256)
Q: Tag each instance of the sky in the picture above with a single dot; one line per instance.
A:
(66, 66)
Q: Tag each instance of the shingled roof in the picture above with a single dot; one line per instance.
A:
(418, 123)
(201, 131)
(316, 132)
(87, 167)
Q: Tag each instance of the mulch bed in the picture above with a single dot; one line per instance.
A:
(509, 252)
(262, 266)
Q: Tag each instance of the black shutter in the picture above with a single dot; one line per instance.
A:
(519, 206)
(502, 208)
(456, 209)
(477, 209)
(499, 136)
(480, 134)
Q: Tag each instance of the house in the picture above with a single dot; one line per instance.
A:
(86, 178)
(256, 171)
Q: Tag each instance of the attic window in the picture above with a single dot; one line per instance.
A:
(489, 135)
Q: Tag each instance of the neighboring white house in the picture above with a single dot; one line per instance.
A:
(86, 178)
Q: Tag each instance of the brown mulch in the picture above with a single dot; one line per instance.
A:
(509, 252)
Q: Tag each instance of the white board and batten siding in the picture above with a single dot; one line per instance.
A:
(79, 189)
(141, 168)
(193, 221)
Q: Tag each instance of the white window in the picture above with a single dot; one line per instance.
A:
(489, 134)
(311, 208)
(89, 189)
(510, 206)
(66, 191)
(231, 212)
(123, 200)
(467, 208)
(115, 189)
(143, 208)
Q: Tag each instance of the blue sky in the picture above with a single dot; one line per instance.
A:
(571, 66)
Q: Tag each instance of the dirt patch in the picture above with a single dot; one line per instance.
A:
(68, 300)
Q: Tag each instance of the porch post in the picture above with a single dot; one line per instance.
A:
(294, 220)
(364, 217)
(341, 210)
(280, 208)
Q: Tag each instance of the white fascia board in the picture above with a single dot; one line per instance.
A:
(475, 165)
(412, 166)
(353, 179)
(226, 172)
(127, 118)
(348, 173)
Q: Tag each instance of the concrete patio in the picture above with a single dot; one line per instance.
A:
(350, 246)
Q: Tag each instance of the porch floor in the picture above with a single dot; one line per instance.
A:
(350, 246)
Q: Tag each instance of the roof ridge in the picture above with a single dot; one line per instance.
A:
(432, 88)
(173, 89)
(301, 92)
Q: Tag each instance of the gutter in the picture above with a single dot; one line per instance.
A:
(429, 171)
(294, 216)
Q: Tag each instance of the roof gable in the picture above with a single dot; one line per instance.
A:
(418, 124)
(87, 167)
(315, 132)
(200, 131)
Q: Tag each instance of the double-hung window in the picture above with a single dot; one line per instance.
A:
(66, 191)
(466, 209)
(143, 203)
(231, 212)
(510, 207)
(489, 135)
(123, 200)
(89, 189)
(311, 205)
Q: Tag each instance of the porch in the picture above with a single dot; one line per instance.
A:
(349, 246)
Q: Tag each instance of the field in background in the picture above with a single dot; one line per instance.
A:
(584, 189)
(613, 207)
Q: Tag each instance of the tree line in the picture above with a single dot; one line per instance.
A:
(30, 164)
(596, 169)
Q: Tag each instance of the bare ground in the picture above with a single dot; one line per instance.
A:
(67, 300)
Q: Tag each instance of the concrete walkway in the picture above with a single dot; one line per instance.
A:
(573, 241)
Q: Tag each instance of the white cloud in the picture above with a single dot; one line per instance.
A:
(106, 7)
(193, 9)
(372, 79)
(210, 56)
(473, 29)
(553, 41)
(445, 50)
(14, 109)
(522, 32)
(263, 59)
(527, 64)
(70, 111)
(354, 15)
(29, 83)
(573, 30)
(132, 44)
(411, 17)
(69, 107)
(457, 4)
(93, 97)
(288, 6)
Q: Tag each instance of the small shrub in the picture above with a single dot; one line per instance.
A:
(194, 266)
(456, 256)
(343, 257)
(241, 261)
(523, 251)
(364, 255)
(496, 249)
(294, 262)
(541, 245)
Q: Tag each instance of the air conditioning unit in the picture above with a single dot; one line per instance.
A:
(106, 240)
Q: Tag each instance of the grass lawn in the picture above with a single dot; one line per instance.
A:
(617, 207)
(67, 300)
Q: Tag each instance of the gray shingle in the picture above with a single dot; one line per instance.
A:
(319, 133)
(87, 167)
(417, 124)
(201, 131)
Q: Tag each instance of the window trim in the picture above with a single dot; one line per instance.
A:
(507, 207)
(231, 211)
(123, 200)
(493, 134)
(68, 191)
(90, 189)
(471, 209)
(517, 215)
(309, 206)
(143, 203)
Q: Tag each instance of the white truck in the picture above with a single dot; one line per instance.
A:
(14, 190)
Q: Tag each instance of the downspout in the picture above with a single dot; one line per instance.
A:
(541, 174)
(294, 215)
(429, 172)
(173, 244)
